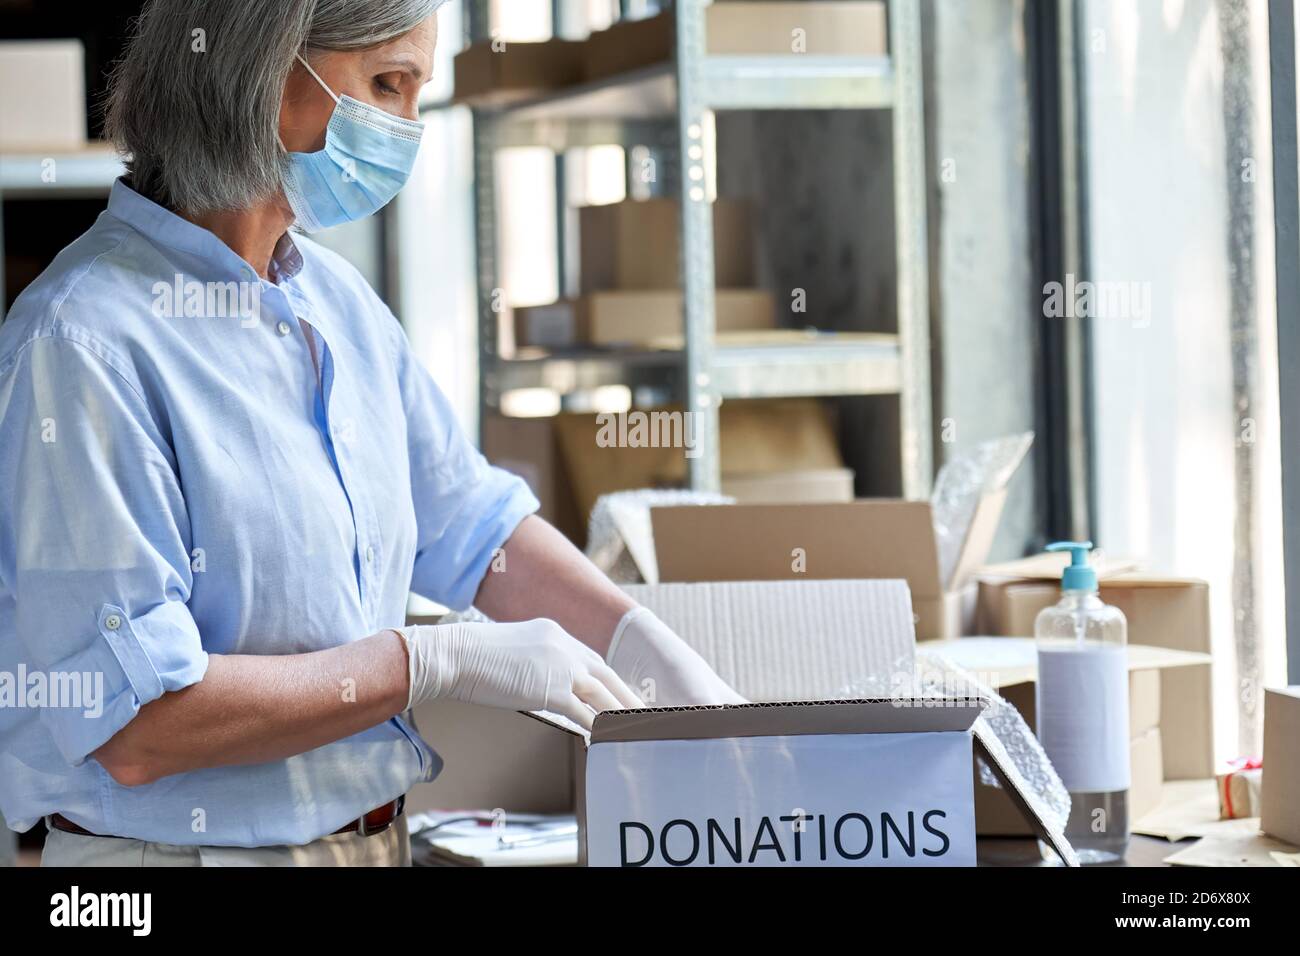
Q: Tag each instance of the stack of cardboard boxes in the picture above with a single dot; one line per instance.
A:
(1162, 611)
(629, 282)
(771, 450)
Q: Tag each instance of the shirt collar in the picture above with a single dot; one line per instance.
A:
(162, 226)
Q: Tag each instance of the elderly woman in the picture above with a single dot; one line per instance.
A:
(210, 520)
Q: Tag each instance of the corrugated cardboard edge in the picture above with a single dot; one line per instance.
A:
(1009, 779)
(874, 715)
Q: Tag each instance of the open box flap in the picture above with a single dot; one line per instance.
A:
(990, 749)
(788, 718)
(763, 542)
(1005, 661)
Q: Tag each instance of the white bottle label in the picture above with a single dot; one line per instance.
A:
(1083, 715)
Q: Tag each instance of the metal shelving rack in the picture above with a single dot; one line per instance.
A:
(670, 108)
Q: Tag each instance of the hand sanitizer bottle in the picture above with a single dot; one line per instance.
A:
(1082, 708)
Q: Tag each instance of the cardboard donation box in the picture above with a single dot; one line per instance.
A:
(1009, 665)
(816, 771)
(1280, 797)
(817, 541)
(881, 782)
(1162, 611)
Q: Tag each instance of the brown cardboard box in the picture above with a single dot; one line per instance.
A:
(854, 28)
(634, 245)
(520, 71)
(42, 94)
(492, 759)
(1280, 800)
(1012, 671)
(1146, 756)
(1143, 701)
(860, 539)
(528, 448)
(757, 437)
(1162, 611)
(651, 318)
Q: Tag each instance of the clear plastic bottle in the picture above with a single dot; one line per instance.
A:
(1082, 708)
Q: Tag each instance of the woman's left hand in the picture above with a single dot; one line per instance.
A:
(661, 668)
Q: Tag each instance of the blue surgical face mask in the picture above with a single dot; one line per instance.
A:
(368, 156)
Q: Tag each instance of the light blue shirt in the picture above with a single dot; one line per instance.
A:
(177, 481)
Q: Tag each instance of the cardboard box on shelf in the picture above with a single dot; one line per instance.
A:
(1162, 611)
(766, 436)
(1009, 665)
(887, 767)
(485, 76)
(42, 95)
(634, 245)
(528, 448)
(790, 487)
(650, 318)
(1280, 799)
(854, 28)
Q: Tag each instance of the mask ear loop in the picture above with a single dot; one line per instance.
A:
(316, 77)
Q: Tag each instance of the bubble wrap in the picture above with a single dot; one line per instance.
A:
(961, 482)
(1000, 728)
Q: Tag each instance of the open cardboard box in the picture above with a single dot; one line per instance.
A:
(819, 541)
(800, 776)
(1010, 666)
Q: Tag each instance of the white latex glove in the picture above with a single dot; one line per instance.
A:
(532, 665)
(661, 667)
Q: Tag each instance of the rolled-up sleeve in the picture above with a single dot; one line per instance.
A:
(93, 542)
(465, 508)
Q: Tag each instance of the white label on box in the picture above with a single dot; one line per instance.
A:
(1082, 717)
(551, 326)
(811, 800)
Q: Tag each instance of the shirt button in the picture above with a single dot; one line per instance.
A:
(112, 622)
(370, 555)
(282, 327)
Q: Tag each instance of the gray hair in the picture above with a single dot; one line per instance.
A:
(194, 104)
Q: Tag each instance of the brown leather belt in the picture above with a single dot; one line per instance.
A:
(376, 821)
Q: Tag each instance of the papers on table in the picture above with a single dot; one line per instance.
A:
(482, 838)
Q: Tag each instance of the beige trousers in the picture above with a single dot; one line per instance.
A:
(390, 848)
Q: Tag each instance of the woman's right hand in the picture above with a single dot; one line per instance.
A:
(532, 665)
